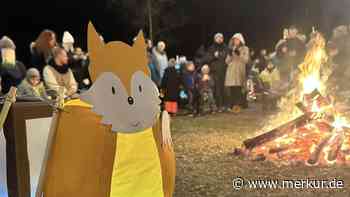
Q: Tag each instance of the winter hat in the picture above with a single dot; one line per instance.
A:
(67, 37)
(7, 43)
(32, 72)
(240, 37)
(218, 35)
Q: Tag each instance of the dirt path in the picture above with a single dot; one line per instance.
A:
(206, 168)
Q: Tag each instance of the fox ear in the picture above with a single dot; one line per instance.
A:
(95, 44)
(140, 41)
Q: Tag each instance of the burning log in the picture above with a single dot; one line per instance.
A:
(335, 147)
(279, 149)
(315, 155)
(275, 133)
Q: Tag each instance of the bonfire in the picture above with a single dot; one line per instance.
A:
(309, 129)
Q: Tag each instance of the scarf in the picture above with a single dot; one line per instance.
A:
(63, 69)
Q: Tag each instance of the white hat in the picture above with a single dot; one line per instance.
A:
(67, 37)
(219, 35)
(240, 37)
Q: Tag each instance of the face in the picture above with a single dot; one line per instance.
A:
(190, 67)
(236, 42)
(284, 49)
(126, 113)
(293, 32)
(8, 56)
(263, 52)
(205, 70)
(34, 81)
(219, 39)
(270, 66)
(149, 44)
(161, 46)
(52, 41)
(62, 58)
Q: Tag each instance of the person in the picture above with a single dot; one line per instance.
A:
(170, 88)
(152, 64)
(273, 87)
(32, 86)
(79, 65)
(189, 81)
(215, 58)
(296, 47)
(41, 49)
(160, 58)
(68, 42)
(235, 80)
(262, 60)
(58, 74)
(12, 72)
(206, 85)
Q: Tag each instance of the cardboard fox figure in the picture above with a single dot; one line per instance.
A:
(111, 143)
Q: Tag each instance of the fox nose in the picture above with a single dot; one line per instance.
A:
(130, 100)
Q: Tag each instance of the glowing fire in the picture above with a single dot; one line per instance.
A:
(311, 83)
(320, 141)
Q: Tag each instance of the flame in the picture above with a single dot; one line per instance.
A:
(315, 108)
(340, 122)
(311, 83)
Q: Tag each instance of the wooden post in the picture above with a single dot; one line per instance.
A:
(50, 141)
(10, 98)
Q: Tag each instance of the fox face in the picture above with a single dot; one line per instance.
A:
(123, 93)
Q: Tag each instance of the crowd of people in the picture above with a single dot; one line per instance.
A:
(226, 75)
(52, 66)
(221, 77)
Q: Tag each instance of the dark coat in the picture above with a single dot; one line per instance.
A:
(217, 64)
(80, 69)
(300, 48)
(11, 76)
(170, 84)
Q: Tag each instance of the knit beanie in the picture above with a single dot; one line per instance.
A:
(217, 35)
(7, 43)
(32, 72)
(240, 37)
(67, 37)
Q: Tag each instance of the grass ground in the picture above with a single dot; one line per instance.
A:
(206, 167)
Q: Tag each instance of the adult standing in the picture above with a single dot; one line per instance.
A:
(160, 58)
(41, 49)
(215, 57)
(235, 80)
(12, 72)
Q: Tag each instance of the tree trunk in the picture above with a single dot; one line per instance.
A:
(150, 20)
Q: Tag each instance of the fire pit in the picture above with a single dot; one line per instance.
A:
(315, 132)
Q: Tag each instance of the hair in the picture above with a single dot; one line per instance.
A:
(56, 51)
(32, 72)
(42, 42)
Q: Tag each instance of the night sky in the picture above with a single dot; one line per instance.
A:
(261, 21)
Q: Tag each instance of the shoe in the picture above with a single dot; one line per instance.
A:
(236, 109)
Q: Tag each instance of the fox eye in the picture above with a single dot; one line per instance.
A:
(113, 90)
(140, 88)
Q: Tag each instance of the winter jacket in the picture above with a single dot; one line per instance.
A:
(236, 70)
(80, 69)
(11, 75)
(217, 64)
(160, 60)
(170, 84)
(54, 80)
(26, 89)
(271, 79)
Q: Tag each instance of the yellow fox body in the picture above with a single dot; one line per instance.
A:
(110, 143)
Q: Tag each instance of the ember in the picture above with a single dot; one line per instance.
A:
(312, 132)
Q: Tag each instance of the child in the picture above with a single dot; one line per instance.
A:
(31, 86)
(189, 80)
(170, 88)
(206, 85)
